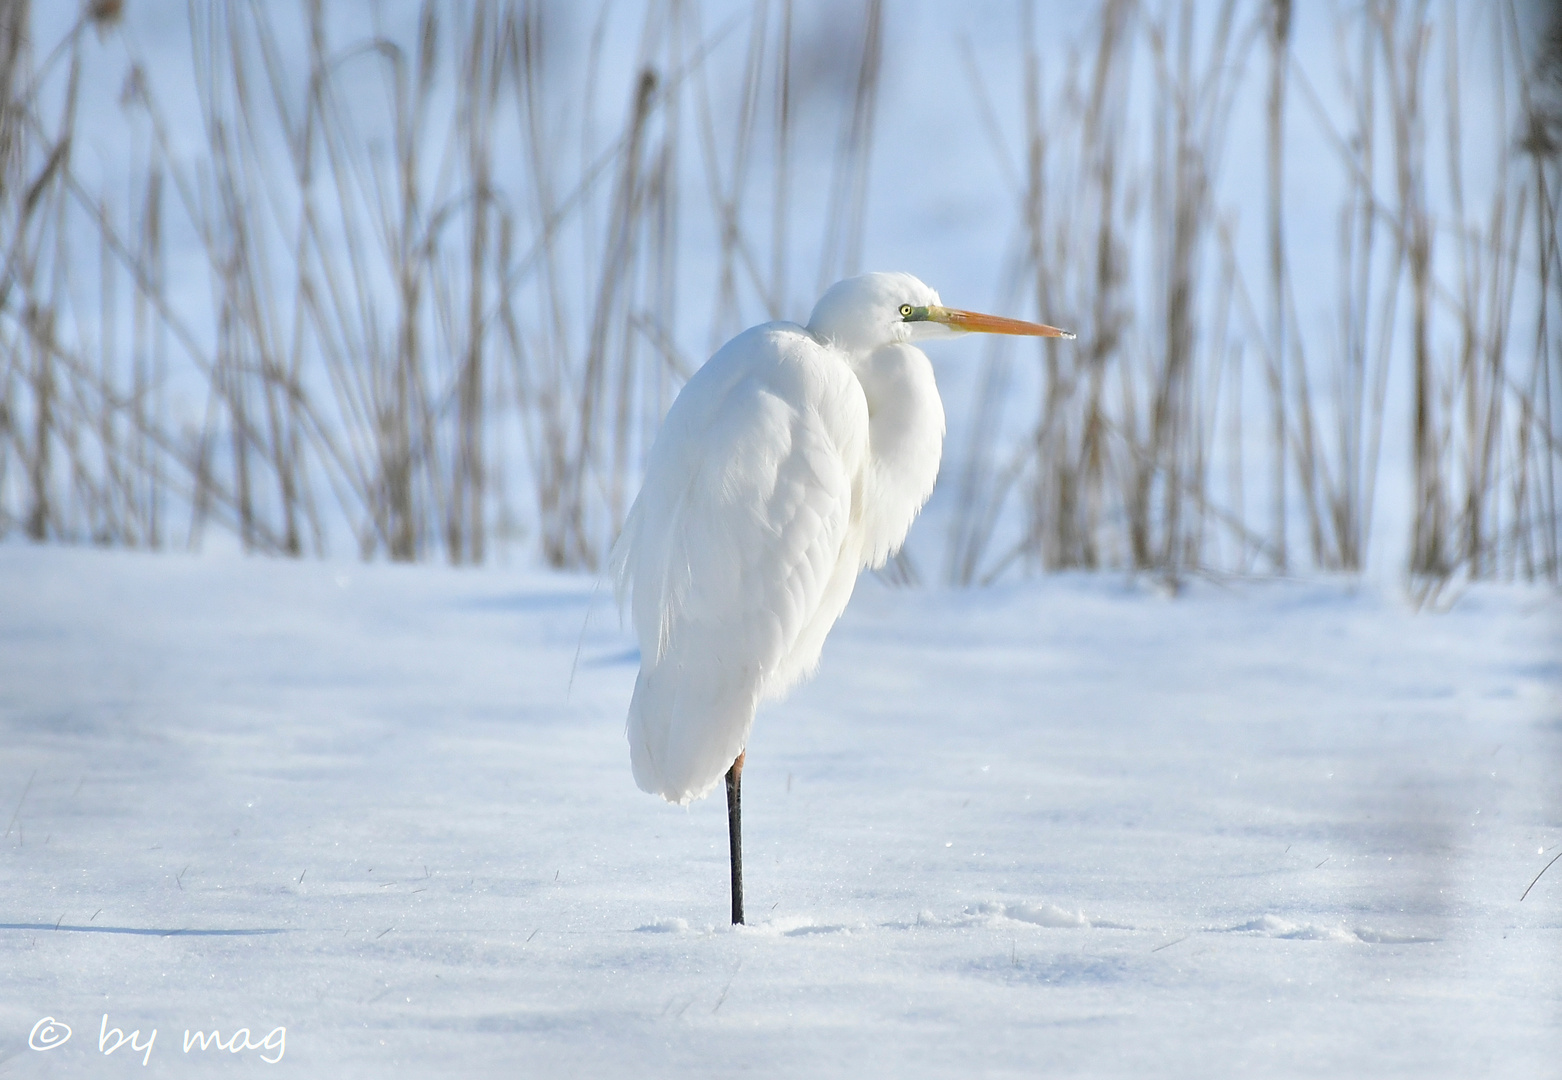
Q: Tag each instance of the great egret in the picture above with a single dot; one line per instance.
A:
(796, 457)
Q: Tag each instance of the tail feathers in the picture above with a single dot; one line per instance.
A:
(685, 730)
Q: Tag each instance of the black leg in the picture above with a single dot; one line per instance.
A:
(735, 836)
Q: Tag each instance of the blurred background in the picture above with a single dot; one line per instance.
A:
(418, 282)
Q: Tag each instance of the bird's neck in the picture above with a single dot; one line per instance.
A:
(905, 443)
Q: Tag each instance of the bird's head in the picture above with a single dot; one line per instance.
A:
(862, 313)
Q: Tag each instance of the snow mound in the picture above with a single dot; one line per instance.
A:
(1035, 914)
(997, 914)
(664, 926)
(1377, 937)
(816, 928)
(796, 926)
(1276, 927)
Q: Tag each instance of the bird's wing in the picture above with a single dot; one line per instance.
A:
(736, 537)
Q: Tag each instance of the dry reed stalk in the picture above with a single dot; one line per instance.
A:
(1540, 426)
(15, 64)
(734, 248)
(1340, 497)
(47, 195)
(1277, 24)
(1189, 143)
(480, 80)
(845, 214)
(1404, 41)
(1065, 505)
(1357, 447)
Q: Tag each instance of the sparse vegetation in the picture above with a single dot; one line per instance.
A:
(448, 308)
(1142, 452)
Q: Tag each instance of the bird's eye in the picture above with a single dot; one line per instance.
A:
(905, 311)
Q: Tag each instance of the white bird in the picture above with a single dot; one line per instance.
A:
(796, 457)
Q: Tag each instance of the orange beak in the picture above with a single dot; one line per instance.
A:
(976, 322)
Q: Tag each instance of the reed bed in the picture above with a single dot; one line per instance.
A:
(449, 303)
(1201, 424)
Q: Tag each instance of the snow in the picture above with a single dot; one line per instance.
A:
(1069, 827)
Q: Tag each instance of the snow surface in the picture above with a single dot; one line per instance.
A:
(1070, 827)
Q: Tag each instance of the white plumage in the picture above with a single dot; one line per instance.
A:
(793, 459)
